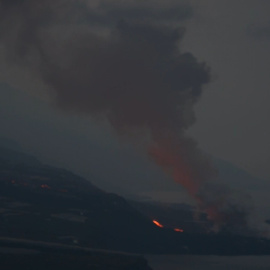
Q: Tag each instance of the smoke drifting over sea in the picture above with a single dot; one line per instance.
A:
(122, 60)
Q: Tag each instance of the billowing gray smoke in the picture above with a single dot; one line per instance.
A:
(121, 60)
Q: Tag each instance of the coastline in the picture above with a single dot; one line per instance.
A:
(207, 262)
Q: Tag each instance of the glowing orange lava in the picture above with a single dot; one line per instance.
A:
(157, 223)
(178, 230)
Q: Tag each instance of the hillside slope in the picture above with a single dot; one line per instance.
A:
(43, 203)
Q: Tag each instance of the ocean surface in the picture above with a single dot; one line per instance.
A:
(189, 262)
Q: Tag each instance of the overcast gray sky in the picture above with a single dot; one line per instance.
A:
(233, 115)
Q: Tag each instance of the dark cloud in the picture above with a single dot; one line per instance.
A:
(167, 13)
(131, 71)
(107, 13)
(136, 64)
(138, 68)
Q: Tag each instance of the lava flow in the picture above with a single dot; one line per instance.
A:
(157, 223)
(178, 230)
(45, 186)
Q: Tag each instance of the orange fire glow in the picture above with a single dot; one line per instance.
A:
(168, 155)
(178, 230)
(157, 223)
(45, 186)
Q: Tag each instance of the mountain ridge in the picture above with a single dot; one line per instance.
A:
(44, 203)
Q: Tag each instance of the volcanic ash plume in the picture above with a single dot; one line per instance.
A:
(98, 59)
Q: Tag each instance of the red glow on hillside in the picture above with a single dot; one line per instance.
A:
(45, 186)
(178, 230)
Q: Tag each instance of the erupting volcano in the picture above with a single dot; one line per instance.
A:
(132, 72)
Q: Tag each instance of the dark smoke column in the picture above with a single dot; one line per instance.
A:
(140, 80)
(133, 73)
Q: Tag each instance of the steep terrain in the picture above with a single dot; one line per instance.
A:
(43, 203)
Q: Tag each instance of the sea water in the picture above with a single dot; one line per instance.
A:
(189, 262)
